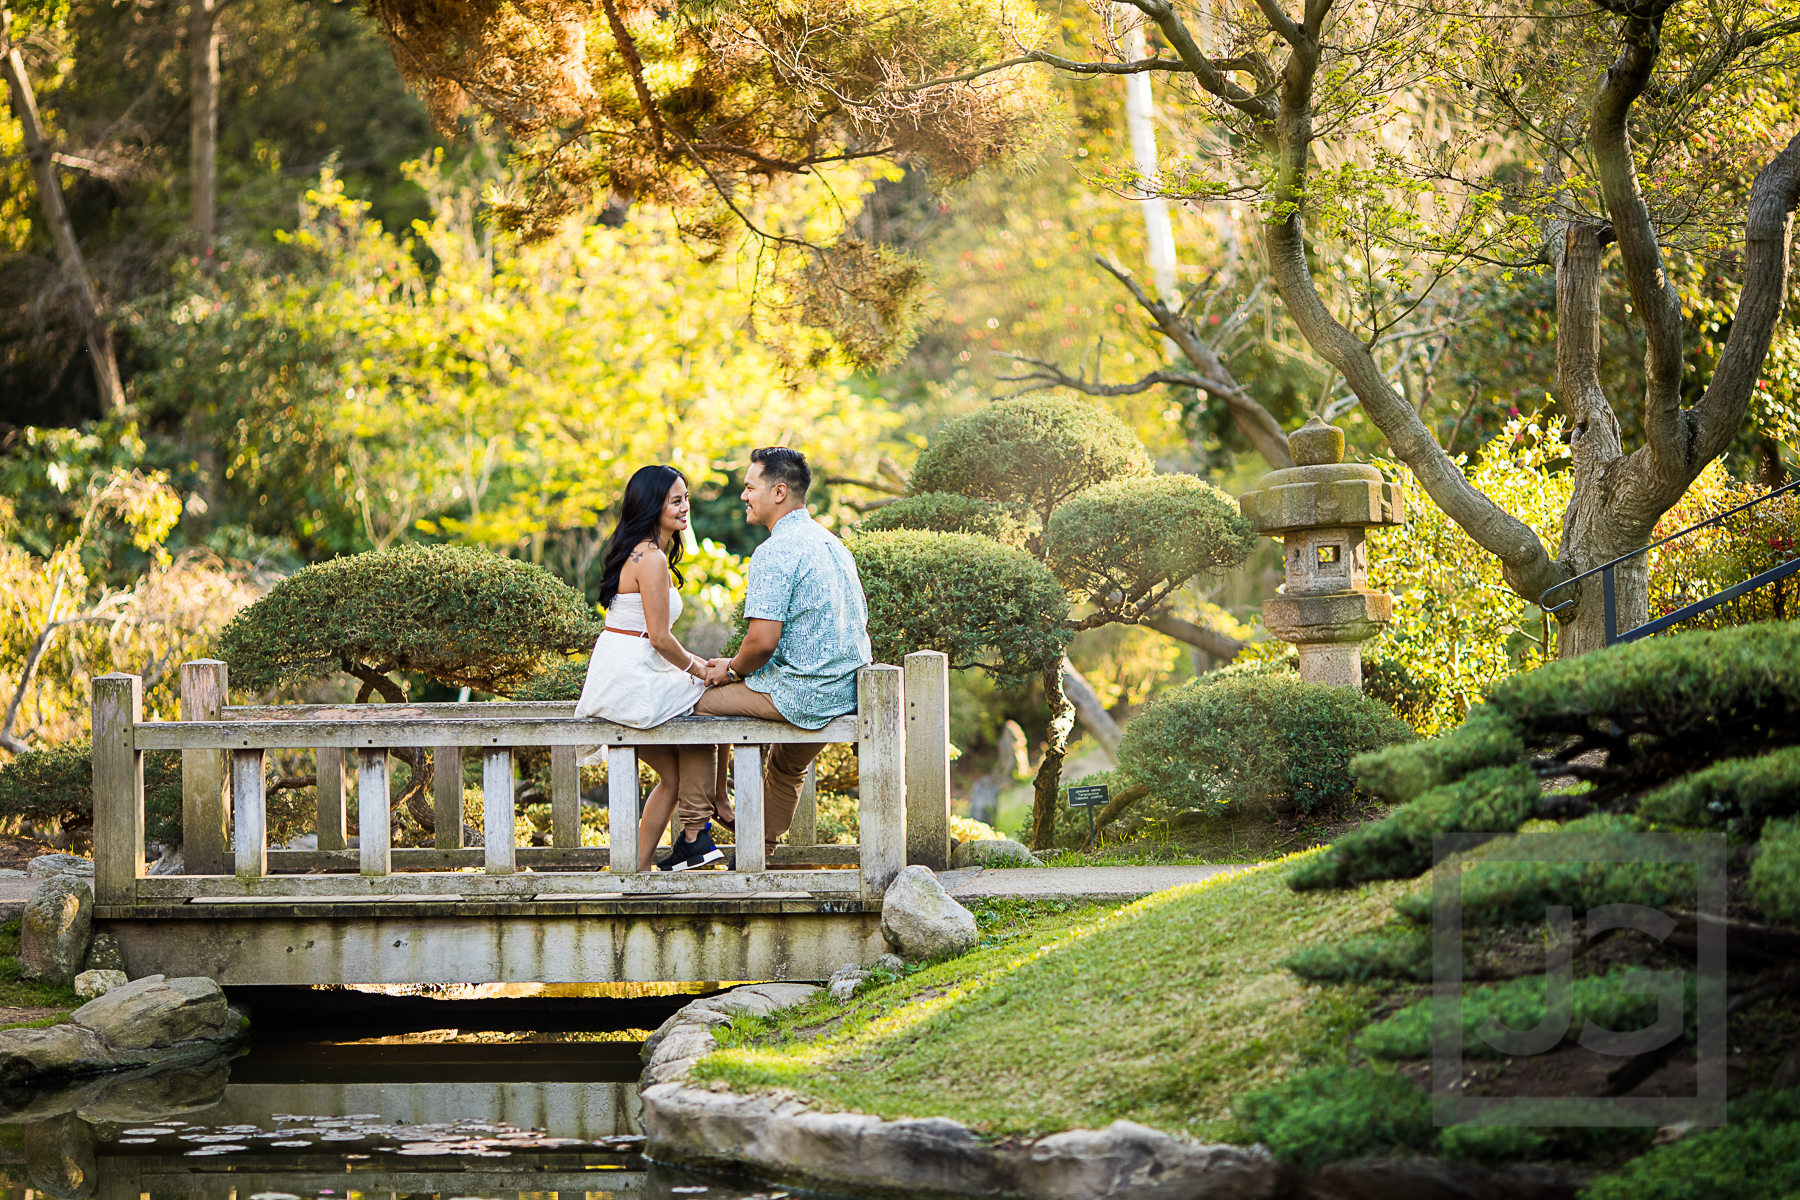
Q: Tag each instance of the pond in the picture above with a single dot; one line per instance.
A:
(471, 1091)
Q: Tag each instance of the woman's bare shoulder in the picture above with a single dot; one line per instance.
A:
(647, 552)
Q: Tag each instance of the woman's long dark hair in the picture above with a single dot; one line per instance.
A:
(640, 512)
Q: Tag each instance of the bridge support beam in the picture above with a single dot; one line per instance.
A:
(567, 947)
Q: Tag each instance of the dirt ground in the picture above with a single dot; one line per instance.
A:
(16, 852)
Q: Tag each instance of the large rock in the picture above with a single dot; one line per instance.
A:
(775, 1135)
(154, 1012)
(684, 1038)
(53, 936)
(49, 866)
(921, 921)
(104, 953)
(992, 852)
(59, 1050)
(92, 984)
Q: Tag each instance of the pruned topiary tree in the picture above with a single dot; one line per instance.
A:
(1072, 486)
(464, 617)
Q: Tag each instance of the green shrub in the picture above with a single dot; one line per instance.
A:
(1391, 954)
(1271, 739)
(1518, 1003)
(1038, 451)
(1754, 1157)
(1492, 800)
(1742, 791)
(1775, 875)
(1330, 1114)
(1399, 774)
(56, 784)
(948, 512)
(1508, 893)
(1392, 682)
(562, 681)
(467, 618)
(979, 602)
(1119, 535)
(1489, 1143)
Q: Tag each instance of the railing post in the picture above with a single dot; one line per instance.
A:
(747, 771)
(447, 797)
(374, 831)
(881, 773)
(1610, 605)
(805, 829)
(249, 815)
(928, 759)
(205, 832)
(565, 797)
(499, 822)
(118, 788)
(328, 798)
(622, 810)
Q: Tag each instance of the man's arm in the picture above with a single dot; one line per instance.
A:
(757, 648)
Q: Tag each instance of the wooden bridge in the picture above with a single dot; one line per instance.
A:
(564, 913)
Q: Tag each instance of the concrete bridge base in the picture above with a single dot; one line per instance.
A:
(465, 941)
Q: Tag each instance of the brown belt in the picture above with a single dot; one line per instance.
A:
(627, 632)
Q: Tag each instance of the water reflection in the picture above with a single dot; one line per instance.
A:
(428, 1113)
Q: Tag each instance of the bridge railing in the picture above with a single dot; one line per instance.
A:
(900, 730)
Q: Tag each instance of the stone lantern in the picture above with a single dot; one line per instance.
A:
(1322, 508)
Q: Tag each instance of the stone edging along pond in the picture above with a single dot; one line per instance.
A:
(779, 1137)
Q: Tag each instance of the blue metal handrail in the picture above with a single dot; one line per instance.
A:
(1605, 571)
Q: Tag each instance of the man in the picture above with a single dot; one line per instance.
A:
(808, 637)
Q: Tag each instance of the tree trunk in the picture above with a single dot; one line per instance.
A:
(104, 361)
(1089, 711)
(203, 121)
(416, 799)
(1049, 776)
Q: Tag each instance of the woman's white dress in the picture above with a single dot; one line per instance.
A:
(628, 682)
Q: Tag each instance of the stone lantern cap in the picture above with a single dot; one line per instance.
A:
(1321, 490)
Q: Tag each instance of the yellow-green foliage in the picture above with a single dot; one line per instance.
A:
(981, 603)
(1457, 625)
(1161, 1012)
(948, 512)
(1712, 558)
(1038, 451)
(464, 617)
(1767, 785)
(1115, 536)
(1775, 875)
(1267, 738)
(1491, 800)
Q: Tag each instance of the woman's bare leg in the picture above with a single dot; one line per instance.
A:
(661, 803)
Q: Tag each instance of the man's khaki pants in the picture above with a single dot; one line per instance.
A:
(700, 787)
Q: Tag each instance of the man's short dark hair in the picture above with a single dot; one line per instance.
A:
(781, 465)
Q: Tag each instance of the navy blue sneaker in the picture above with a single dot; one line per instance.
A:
(698, 853)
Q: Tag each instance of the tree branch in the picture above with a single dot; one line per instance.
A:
(1527, 566)
(1253, 420)
(1655, 302)
(1208, 76)
(1051, 60)
(1210, 641)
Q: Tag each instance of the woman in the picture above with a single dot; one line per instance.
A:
(640, 675)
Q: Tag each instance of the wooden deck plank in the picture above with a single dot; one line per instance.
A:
(370, 732)
(346, 887)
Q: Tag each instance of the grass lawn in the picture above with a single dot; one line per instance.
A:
(1160, 1011)
(17, 993)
